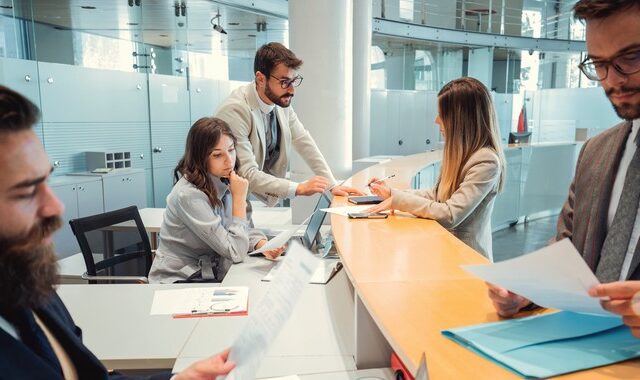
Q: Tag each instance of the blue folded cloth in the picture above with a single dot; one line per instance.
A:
(550, 344)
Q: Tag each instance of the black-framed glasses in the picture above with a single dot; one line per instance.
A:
(626, 63)
(286, 83)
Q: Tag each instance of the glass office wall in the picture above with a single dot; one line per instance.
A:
(530, 18)
(128, 76)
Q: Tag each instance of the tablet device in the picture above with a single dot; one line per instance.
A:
(365, 200)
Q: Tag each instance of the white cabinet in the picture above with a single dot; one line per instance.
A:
(81, 196)
(124, 188)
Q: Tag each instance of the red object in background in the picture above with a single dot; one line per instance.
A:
(522, 120)
(399, 370)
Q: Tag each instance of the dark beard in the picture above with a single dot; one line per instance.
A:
(28, 268)
(627, 111)
(279, 100)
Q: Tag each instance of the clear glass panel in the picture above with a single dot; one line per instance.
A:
(533, 18)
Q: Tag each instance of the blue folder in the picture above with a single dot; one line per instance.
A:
(551, 344)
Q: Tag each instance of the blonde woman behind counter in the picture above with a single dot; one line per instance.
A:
(472, 172)
(207, 224)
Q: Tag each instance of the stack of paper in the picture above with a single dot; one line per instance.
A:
(552, 344)
(201, 302)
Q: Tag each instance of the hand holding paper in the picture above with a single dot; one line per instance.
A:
(555, 276)
(623, 299)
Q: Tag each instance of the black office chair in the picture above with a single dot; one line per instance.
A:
(104, 270)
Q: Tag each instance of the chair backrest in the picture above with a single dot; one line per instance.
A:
(105, 222)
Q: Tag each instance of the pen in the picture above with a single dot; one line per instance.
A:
(206, 312)
(381, 180)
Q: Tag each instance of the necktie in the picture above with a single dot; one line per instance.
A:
(616, 243)
(270, 135)
(32, 336)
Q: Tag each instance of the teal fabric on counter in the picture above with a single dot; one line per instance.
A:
(551, 344)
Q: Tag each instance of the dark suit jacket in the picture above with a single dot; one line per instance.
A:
(583, 218)
(19, 362)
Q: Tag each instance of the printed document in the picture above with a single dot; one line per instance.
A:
(555, 276)
(200, 301)
(270, 314)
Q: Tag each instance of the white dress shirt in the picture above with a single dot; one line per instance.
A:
(629, 151)
(266, 119)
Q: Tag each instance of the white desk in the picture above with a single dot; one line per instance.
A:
(117, 326)
(317, 338)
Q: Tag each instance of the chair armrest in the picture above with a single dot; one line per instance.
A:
(138, 279)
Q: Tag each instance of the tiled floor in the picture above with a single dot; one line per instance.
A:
(523, 238)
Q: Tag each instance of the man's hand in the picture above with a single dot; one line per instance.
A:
(208, 369)
(346, 191)
(313, 185)
(270, 254)
(624, 300)
(507, 304)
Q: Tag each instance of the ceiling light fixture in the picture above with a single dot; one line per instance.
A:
(215, 21)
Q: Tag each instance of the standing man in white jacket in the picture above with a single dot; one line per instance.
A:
(266, 127)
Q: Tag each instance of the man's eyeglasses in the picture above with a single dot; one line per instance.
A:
(286, 83)
(625, 64)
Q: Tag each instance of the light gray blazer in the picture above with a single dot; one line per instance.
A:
(242, 112)
(193, 230)
(467, 214)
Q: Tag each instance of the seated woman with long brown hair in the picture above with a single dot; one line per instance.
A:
(207, 224)
(472, 170)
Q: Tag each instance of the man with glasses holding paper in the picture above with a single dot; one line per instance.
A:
(600, 215)
(265, 125)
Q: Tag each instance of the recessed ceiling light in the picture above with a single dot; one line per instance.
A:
(87, 7)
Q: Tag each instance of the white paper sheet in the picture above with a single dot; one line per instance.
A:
(344, 210)
(214, 300)
(270, 314)
(280, 239)
(555, 276)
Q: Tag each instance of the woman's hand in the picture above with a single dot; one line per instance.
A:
(382, 206)
(238, 186)
(380, 189)
(271, 254)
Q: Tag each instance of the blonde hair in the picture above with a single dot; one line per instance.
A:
(469, 120)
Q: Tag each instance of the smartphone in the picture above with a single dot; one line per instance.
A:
(366, 215)
(365, 199)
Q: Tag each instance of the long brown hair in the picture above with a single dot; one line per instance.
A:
(203, 136)
(470, 124)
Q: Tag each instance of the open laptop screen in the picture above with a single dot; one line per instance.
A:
(315, 222)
